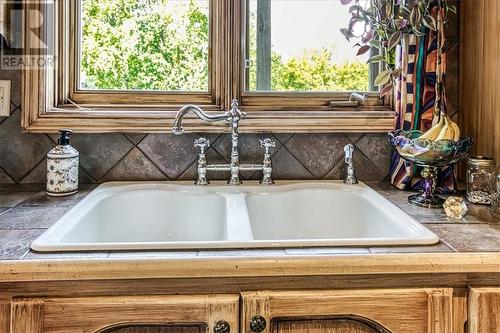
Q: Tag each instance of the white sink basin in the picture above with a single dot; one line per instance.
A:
(128, 216)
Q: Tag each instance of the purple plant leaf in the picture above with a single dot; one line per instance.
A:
(345, 2)
(363, 49)
(368, 37)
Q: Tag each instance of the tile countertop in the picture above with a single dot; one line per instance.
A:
(26, 212)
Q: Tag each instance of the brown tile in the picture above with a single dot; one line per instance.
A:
(42, 199)
(365, 169)
(249, 146)
(20, 152)
(354, 137)
(16, 243)
(319, 153)
(100, 152)
(213, 158)
(173, 154)
(135, 138)
(5, 178)
(287, 167)
(38, 175)
(283, 137)
(468, 237)
(377, 149)
(250, 150)
(134, 166)
(12, 199)
(439, 247)
(31, 217)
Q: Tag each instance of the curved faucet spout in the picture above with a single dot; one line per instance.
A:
(177, 128)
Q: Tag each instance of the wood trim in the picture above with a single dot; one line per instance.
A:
(459, 311)
(46, 92)
(412, 310)
(5, 317)
(440, 311)
(156, 121)
(36, 315)
(484, 307)
(27, 316)
(479, 82)
(196, 267)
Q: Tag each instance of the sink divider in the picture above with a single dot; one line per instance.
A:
(238, 226)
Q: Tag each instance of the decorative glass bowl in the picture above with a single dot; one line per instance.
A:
(430, 155)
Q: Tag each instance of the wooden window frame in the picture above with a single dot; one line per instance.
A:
(48, 93)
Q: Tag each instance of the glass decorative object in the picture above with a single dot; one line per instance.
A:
(455, 207)
(495, 195)
(430, 155)
(480, 176)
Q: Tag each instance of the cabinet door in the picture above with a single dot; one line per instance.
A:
(348, 311)
(125, 314)
(484, 310)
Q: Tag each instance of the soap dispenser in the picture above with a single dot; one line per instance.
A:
(62, 167)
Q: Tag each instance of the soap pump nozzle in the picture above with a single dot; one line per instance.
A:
(64, 135)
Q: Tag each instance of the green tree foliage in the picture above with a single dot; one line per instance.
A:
(139, 44)
(163, 45)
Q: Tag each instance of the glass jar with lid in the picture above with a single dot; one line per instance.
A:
(480, 176)
(495, 195)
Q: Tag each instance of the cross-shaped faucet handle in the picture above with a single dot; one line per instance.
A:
(202, 143)
(267, 144)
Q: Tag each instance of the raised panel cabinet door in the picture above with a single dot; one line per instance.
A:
(484, 310)
(348, 311)
(126, 314)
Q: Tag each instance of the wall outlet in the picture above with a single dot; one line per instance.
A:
(5, 98)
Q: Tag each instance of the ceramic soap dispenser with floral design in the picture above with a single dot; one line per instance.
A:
(62, 167)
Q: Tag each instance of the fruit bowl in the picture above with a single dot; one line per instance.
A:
(431, 155)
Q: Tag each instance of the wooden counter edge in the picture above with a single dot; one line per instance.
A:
(194, 267)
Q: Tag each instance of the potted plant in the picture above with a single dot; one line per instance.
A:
(383, 24)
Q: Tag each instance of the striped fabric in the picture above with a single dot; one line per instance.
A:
(414, 100)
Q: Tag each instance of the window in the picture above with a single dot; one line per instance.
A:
(144, 45)
(129, 66)
(296, 45)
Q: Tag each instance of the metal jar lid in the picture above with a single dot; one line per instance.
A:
(481, 161)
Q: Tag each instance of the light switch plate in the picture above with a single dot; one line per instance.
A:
(5, 98)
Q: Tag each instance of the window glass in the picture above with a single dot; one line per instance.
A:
(296, 45)
(144, 45)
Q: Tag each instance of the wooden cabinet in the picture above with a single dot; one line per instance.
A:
(129, 314)
(484, 310)
(349, 311)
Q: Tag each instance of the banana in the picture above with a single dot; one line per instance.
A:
(434, 131)
(447, 132)
(445, 129)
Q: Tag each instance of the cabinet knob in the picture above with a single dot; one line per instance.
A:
(258, 324)
(222, 326)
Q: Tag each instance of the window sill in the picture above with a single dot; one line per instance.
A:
(150, 120)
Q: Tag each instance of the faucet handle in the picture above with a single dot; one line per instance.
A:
(202, 143)
(267, 144)
(351, 169)
(235, 109)
(348, 152)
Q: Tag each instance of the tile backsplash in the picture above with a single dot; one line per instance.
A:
(108, 157)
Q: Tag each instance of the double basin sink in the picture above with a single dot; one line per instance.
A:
(154, 216)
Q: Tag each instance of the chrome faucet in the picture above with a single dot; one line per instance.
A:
(351, 170)
(233, 117)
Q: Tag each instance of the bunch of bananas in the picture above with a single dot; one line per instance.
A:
(445, 129)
